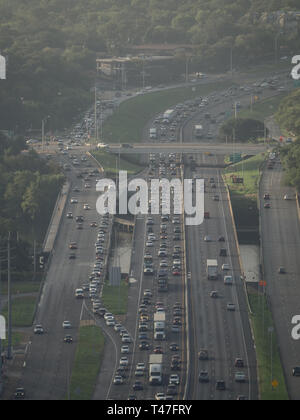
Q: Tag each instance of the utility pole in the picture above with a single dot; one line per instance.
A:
(96, 116)
(9, 346)
(1, 381)
(34, 260)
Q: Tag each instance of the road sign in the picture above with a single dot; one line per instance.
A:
(275, 383)
(263, 283)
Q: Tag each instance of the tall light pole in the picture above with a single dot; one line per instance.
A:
(44, 120)
(276, 45)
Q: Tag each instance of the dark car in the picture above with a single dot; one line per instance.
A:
(223, 252)
(20, 394)
(68, 339)
(138, 386)
(239, 363)
(144, 345)
(174, 347)
(172, 390)
(203, 377)
(221, 386)
(296, 371)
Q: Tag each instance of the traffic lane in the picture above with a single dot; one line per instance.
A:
(232, 340)
(57, 305)
(217, 343)
(280, 239)
(150, 283)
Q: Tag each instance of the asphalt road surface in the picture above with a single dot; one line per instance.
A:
(280, 247)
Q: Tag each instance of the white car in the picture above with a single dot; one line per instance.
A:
(207, 239)
(118, 380)
(125, 350)
(126, 338)
(287, 197)
(160, 396)
(74, 201)
(225, 267)
(174, 379)
(110, 322)
(124, 361)
(107, 315)
(86, 207)
(67, 325)
(240, 377)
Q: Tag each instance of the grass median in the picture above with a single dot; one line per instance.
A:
(129, 120)
(87, 364)
(111, 164)
(115, 299)
(270, 368)
(23, 310)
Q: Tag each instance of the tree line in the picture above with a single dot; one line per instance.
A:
(29, 187)
(51, 45)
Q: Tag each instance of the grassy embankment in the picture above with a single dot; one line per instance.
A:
(269, 368)
(129, 120)
(87, 364)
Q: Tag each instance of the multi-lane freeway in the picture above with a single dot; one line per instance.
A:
(280, 249)
(215, 318)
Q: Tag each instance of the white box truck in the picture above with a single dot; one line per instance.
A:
(212, 269)
(155, 369)
(153, 133)
(159, 326)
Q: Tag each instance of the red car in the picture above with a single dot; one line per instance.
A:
(158, 350)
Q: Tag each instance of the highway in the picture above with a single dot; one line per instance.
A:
(49, 360)
(167, 299)
(226, 335)
(280, 248)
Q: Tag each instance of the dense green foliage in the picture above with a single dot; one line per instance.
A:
(288, 114)
(288, 117)
(28, 190)
(290, 156)
(51, 45)
(242, 129)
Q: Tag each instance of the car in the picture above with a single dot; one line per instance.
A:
(144, 345)
(231, 307)
(221, 239)
(240, 377)
(121, 371)
(281, 270)
(73, 245)
(94, 224)
(239, 363)
(38, 330)
(287, 197)
(74, 201)
(68, 339)
(267, 196)
(117, 327)
(67, 325)
(225, 267)
(118, 380)
(174, 379)
(228, 280)
(223, 252)
(125, 350)
(172, 390)
(19, 394)
(296, 371)
(203, 376)
(160, 396)
(174, 347)
(69, 215)
(72, 257)
(214, 294)
(221, 385)
(107, 315)
(124, 361)
(267, 205)
(141, 366)
(207, 238)
(126, 339)
(138, 386)
(158, 350)
(203, 354)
